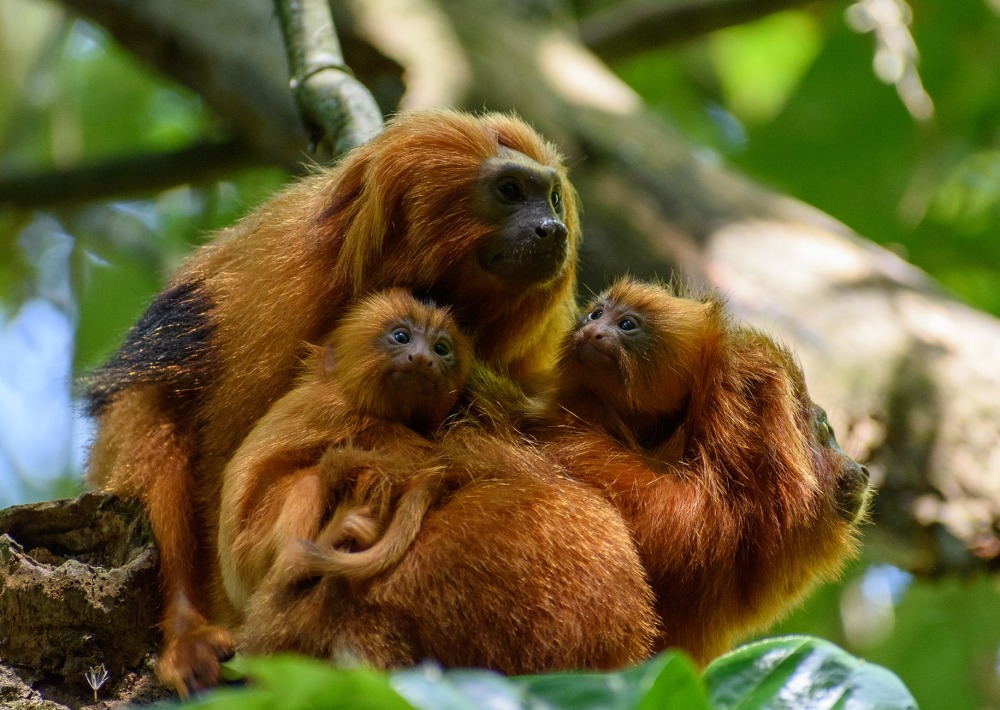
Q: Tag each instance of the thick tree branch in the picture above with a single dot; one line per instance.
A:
(625, 30)
(127, 177)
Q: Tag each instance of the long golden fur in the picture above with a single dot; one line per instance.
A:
(521, 570)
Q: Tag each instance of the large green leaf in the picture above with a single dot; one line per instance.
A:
(794, 672)
(801, 672)
(666, 682)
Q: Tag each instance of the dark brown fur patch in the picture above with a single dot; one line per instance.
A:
(169, 345)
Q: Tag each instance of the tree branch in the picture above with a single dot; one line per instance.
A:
(127, 177)
(624, 31)
(332, 102)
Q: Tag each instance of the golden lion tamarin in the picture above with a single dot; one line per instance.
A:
(521, 570)
(701, 432)
(474, 213)
(371, 397)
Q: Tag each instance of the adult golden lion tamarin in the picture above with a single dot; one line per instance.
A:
(475, 213)
(351, 438)
(701, 432)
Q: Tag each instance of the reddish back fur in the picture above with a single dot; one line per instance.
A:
(520, 570)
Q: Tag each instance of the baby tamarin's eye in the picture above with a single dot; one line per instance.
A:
(400, 335)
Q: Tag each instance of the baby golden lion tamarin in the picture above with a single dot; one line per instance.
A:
(353, 436)
(702, 434)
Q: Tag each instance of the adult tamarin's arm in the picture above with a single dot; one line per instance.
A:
(474, 212)
(702, 433)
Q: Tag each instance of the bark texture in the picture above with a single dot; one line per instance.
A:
(78, 589)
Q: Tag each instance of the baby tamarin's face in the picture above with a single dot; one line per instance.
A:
(636, 347)
(419, 356)
(398, 358)
(610, 335)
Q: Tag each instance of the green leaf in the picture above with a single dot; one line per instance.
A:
(288, 682)
(802, 672)
(428, 688)
(666, 682)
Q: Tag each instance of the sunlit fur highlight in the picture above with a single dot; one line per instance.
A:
(739, 509)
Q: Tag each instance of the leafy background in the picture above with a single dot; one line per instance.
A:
(795, 100)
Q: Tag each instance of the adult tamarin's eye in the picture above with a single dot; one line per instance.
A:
(510, 190)
(556, 199)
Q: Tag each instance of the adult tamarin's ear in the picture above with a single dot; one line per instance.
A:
(702, 433)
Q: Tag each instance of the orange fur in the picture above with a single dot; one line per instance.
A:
(370, 403)
(355, 526)
(703, 435)
(416, 207)
(521, 570)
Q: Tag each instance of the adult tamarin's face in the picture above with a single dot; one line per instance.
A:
(524, 199)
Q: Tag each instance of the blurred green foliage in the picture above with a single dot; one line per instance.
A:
(70, 96)
(941, 637)
(793, 101)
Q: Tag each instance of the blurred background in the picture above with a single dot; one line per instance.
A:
(120, 151)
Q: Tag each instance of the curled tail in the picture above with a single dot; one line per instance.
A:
(316, 558)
